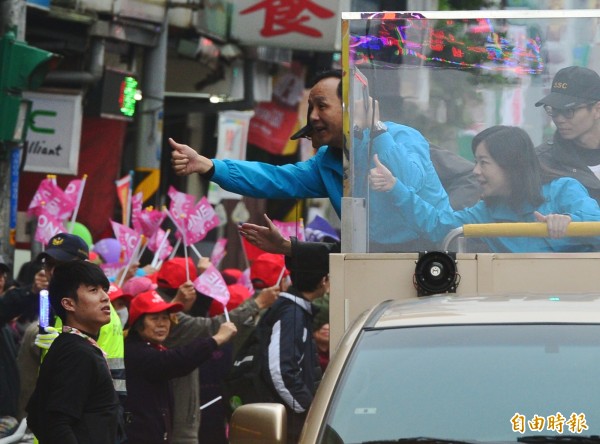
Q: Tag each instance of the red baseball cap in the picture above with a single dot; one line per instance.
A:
(172, 274)
(114, 292)
(238, 293)
(231, 275)
(150, 302)
(266, 269)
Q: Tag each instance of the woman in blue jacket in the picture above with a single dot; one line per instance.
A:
(514, 189)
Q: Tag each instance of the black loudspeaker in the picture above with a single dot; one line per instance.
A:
(436, 272)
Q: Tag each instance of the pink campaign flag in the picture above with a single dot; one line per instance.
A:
(218, 252)
(212, 284)
(156, 240)
(50, 199)
(72, 191)
(136, 210)
(149, 222)
(112, 269)
(39, 198)
(181, 203)
(127, 237)
(288, 229)
(245, 280)
(200, 221)
(47, 227)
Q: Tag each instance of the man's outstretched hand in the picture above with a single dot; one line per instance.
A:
(266, 238)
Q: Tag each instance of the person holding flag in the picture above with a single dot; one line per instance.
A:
(151, 365)
(186, 389)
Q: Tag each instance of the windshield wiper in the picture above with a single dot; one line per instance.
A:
(560, 439)
(420, 440)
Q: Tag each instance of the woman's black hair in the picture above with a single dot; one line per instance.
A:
(512, 149)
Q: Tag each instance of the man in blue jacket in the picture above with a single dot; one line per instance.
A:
(320, 176)
(404, 148)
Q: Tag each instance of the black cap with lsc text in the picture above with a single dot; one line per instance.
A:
(571, 87)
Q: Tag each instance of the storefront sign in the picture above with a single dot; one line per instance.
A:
(54, 133)
(299, 24)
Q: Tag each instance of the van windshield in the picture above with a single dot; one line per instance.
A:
(484, 383)
(456, 119)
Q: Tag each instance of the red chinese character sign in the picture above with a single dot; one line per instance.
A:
(296, 24)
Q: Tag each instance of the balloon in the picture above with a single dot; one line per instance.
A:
(81, 231)
(109, 248)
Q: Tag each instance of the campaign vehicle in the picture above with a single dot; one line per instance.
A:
(493, 369)
(488, 332)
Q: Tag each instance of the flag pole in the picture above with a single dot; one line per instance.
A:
(195, 250)
(174, 252)
(185, 252)
(131, 259)
(156, 257)
(129, 198)
(280, 277)
(79, 196)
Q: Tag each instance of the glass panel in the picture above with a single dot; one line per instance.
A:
(421, 88)
(466, 383)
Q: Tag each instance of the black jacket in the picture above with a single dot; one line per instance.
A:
(559, 158)
(290, 361)
(149, 398)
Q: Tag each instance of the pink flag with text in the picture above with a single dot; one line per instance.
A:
(48, 227)
(50, 199)
(155, 241)
(246, 281)
(181, 203)
(127, 237)
(136, 210)
(149, 221)
(72, 191)
(212, 284)
(219, 251)
(200, 221)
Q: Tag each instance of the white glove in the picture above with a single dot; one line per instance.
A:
(45, 340)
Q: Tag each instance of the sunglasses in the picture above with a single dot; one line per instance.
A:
(566, 113)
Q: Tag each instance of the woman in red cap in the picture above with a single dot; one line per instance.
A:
(150, 366)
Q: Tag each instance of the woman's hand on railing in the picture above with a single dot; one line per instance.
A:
(557, 223)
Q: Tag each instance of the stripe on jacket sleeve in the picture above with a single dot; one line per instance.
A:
(275, 370)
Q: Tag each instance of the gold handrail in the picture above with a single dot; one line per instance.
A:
(517, 229)
(528, 229)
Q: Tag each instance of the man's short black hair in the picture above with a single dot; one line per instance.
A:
(306, 281)
(66, 279)
(337, 73)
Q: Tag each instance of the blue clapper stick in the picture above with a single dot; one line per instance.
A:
(44, 310)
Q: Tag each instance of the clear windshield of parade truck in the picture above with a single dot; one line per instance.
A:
(443, 132)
